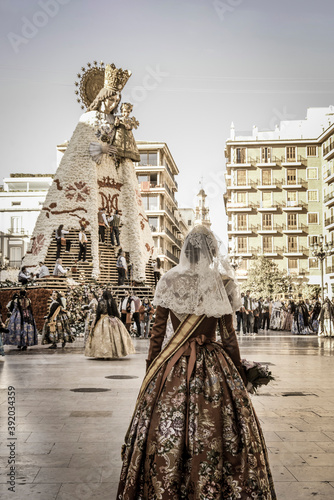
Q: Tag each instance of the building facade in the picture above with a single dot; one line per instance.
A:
(279, 193)
(21, 199)
(156, 173)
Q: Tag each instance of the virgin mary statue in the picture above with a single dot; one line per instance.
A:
(97, 172)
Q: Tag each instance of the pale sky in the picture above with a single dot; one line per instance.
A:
(197, 66)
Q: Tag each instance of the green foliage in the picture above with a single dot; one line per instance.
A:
(265, 279)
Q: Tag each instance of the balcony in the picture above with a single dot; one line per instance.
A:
(242, 163)
(293, 206)
(295, 252)
(329, 269)
(269, 229)
(171, 216)
(267, 252)
(294, 228)
(272, 161)
(242, 230)
(172, 257)
(172, 237)
(295, 184)
(232, 206)
(328, 151)
(265, 207)
(14, 231)
(329, 199)
(329, 223)
(274, 184)
(297, 161)
(239, 187)
(328, 174)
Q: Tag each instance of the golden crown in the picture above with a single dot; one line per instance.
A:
(94, 78)
(115, 79)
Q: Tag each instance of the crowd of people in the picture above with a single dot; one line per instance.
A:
(301, 317)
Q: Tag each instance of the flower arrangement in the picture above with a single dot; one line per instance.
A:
(257, 375)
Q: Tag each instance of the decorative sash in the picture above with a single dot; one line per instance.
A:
(185, 329)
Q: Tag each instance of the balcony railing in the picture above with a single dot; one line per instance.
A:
(295, 227)
(172, 237)
(295, 159)
(295, 182)
(171, 215)
(269, 159)
(328, 148)
(266, 182)
(329, 220)
(329, 269)
(15, 263)
(172, 257)
(328, 172)
(271, 227)
(328, 196)
(17, 231)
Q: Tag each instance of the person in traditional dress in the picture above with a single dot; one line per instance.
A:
(60, 234)
(275, 318)
(194, 433)
(314, 315)
(3, 330)
(300, 324)
(127, 310)
(290, 309)
(146, 312)
(157, 271)
(326, 319)
(109, 338)
(22, 330)
(56, 327)
(90, 309)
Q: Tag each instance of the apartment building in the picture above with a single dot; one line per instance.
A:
(21, 199)
(156, 173)
(279, 193)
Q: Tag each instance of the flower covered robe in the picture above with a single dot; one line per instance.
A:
(196, 436)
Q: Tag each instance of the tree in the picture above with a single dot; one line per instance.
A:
(265, 279)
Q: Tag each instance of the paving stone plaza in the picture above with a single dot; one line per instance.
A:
(68, 443)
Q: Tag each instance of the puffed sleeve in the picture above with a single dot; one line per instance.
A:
(230, 343)
(157, 334)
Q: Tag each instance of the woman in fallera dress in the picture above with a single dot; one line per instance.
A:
(194, 433)
(22, 330)
(109, 338)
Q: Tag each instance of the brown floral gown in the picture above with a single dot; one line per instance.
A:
(196, 436)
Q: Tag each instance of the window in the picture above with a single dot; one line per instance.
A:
(312, 240)
(311, 150)
(291, 153)
(313, 263)
(291, 199)
(312, 173)
(266, 200)
(292, 221)
(242, 197)
(312, 218)
(242, 244)
(312, 195)
(292, 243)
(242, 222)
(291, 176)
(16, 203)
(293, 266)
(266, 155)
(16, 225)
(240, 155)
(266, 177)
(266, 221)
(148, 158)
(15, 256)
(189, 222)
(241, 178)
(243, 265)
(151, 202)
(153, 223)
(267, 243)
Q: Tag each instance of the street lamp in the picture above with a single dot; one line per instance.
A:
(320, 251)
